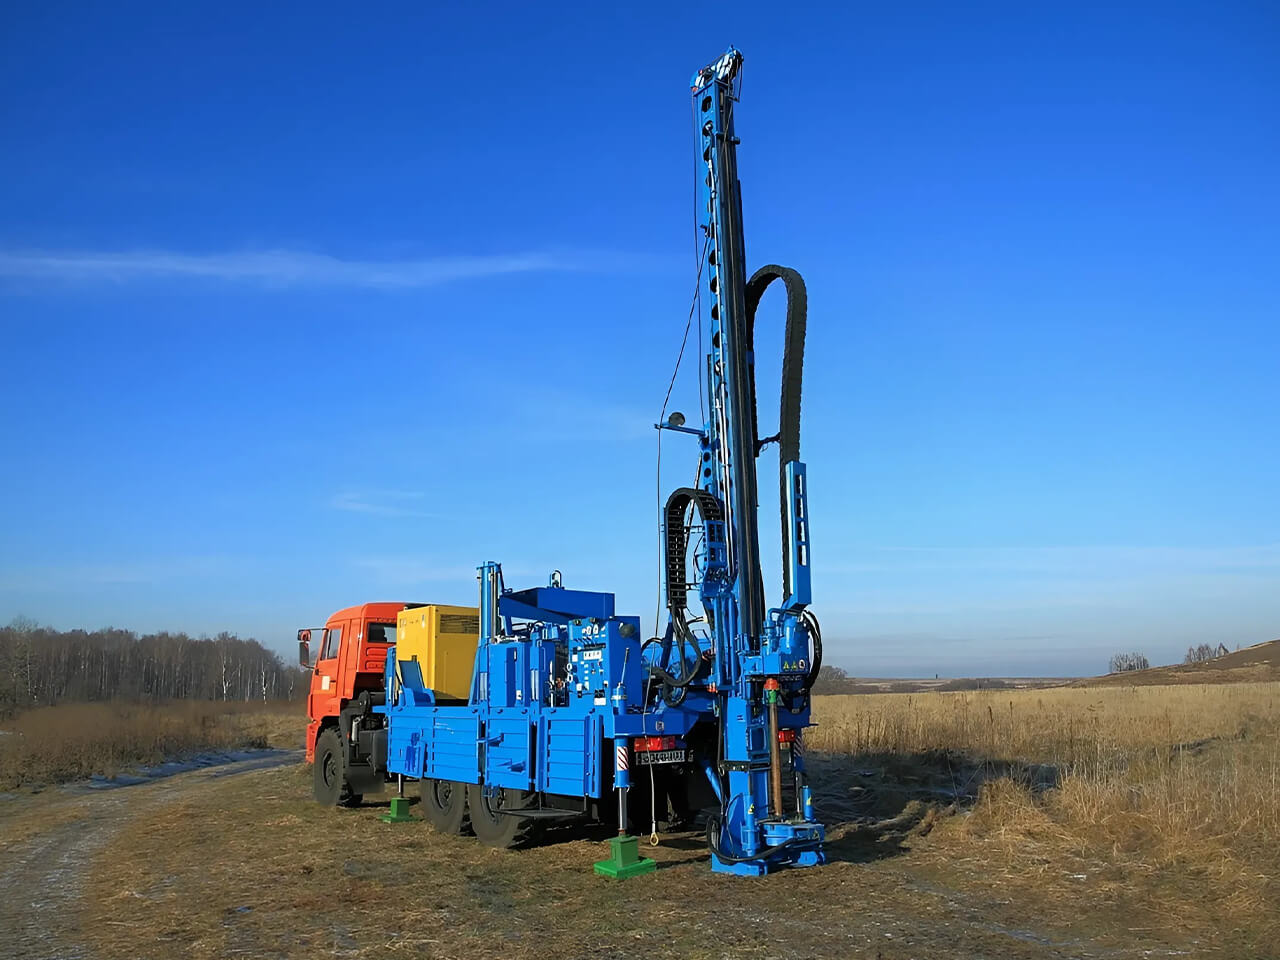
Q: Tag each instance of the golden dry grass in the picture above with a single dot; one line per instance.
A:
(1168, 797)
(287, 878)
(1137, 822)
(72, 741)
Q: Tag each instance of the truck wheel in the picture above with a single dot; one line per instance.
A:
(444, 803)
(331, 788)
(497, 829)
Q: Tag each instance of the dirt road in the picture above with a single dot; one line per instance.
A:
(236, 861)
(48, 842)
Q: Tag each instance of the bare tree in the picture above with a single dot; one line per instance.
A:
(831, 680)
(1126, 662)
(1201, 653)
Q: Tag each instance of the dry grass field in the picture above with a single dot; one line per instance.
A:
(78, 740)
(1122, 823)
(1165, 798)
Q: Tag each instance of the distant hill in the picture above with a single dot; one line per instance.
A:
(1257, 663)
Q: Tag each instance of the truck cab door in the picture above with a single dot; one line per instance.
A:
(325, 685)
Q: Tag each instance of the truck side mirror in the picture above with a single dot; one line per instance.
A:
(304, 648)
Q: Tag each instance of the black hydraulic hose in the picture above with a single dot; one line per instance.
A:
(666, 676)
(788, 436)
(815, 634)
(675, 544)
(788, 439)
(713, 841)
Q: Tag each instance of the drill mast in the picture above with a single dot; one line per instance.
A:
(762, 659)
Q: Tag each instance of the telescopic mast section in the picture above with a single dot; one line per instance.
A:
(763, 660)
(730, 429)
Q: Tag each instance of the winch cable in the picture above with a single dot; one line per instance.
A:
(655, 670)
(695, 308)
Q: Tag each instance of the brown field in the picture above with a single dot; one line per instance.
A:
(78, 740)
(1025, 824)
(1164, 797)
(945, 684)
(1257, 664)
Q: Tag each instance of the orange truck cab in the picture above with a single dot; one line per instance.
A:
(350, 653)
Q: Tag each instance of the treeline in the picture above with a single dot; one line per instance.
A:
(1204, 652)
(837, 680)
(40, 666)
(1126, 662)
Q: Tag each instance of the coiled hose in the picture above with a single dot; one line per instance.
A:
(787, 438)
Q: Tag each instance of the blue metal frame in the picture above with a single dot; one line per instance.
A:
(546, 696)
(560, 679)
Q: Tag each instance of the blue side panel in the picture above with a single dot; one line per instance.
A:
(405, 748)
(508, 674)
(455, 748)
(568, 754)
(508, 749)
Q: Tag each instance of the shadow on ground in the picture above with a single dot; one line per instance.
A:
(871, 804)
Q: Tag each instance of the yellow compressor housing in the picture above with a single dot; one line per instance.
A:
(443, 640)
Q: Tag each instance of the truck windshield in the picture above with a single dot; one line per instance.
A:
(382, 633)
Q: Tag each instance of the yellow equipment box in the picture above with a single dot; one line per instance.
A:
(443, 641)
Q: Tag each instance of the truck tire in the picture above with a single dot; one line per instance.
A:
(497, 829)
(331, 787)
(444, 803)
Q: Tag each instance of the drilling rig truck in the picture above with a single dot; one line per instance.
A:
(542, 703)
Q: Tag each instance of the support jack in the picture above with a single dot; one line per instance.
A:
(399, 812)
(624, 860)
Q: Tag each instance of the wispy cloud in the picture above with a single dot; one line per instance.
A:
(1087, 561)
(382, 503)
(41, 577)
(408, 570)
(289, 267)
(396, 569)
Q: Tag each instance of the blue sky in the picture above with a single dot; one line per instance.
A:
(304, 305)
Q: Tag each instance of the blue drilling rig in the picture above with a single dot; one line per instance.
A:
(542, 702)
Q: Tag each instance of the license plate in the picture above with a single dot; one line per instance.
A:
(647, 758)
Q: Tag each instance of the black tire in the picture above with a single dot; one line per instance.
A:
(330, 784)
(497, 829)
(444, 803)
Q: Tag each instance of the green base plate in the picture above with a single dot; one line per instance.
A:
(399, 812)
(625, 860)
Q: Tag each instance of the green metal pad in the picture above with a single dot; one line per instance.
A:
(625, 860)
(399, 812)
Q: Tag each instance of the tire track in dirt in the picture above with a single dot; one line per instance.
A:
(42, 876)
